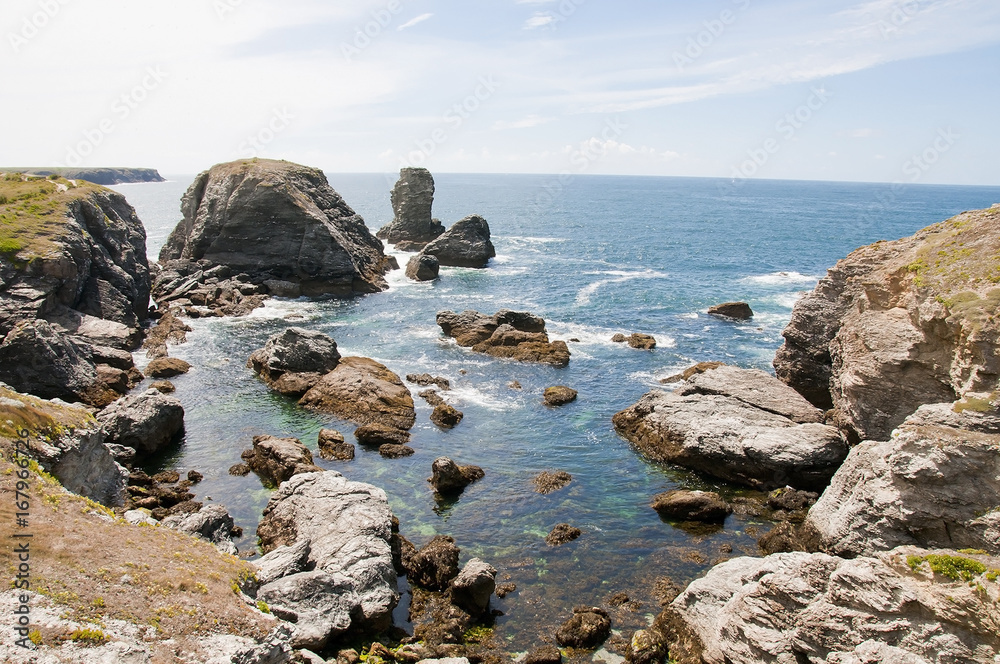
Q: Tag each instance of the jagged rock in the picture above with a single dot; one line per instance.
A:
(282, 561)
(731, 439)
(791, 500)
(449, 477)
(378, 434)
(169, 328)
(294, 360)
(276, 220)
(692, 506)
(412, 197)
(472, 588)
(561, 534)
(277, 459)
(559, 395)
(167, 367)
(896, 325)
(279, 288)
(736, 310)
(431, 397)
(423, 267)
(239, 470)
(211, 523)
(426, 379)
(701, 367)
(363, 391)
(390, 451)
(933, 484)
(517, 335)
(445, 416)
(547, 482)
(797, 606)
(348, 526)
(641, 341)
(87, 262)
(145, 422)
(466, 244)
(435, 565)
(754, 387)
(588, 628)
(332, 446)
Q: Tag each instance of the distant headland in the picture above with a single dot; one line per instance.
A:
(103, 176)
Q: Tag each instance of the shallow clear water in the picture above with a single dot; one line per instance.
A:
(594, 256)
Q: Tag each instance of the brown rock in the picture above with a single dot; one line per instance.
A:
(547, 482)
(390, 451)
(363, 391)
(445, 416)
(332, 446)
(544, 655)
(425, 379)
(641, 341)
(509, 334)
(736, 310)
(164, 386)
(562, 534)
(431, 397)
(682, 505)
(435, 565)
(559, 395)
(167, 367)
(239, 470)
(619, 338)
(449, 477)
(588, 628)
(378, 434)
(277, 459)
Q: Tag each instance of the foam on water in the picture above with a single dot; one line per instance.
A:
(781, 279)
(583, 297)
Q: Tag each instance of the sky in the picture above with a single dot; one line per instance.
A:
(868, 90)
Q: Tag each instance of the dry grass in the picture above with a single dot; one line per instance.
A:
(33, 212)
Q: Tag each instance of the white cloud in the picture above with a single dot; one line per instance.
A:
(413, 21)
(539, 20)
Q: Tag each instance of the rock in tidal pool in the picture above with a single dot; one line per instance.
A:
(378, 434)
(509, 334)
(275, 460)
(641, 341)
(294, 360)
(363, 391)
(445, 416)
(682, 505)
(588, 628)
(549, 481)
(561, 534)
(390, 451)
(167, 367)
(449, 477)
(332, 446)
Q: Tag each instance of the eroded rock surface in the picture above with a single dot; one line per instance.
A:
(511, 334)
(146, 422)
(465, 244)
(277, 459)
(412, 225)
(294, 360)
(361, 390)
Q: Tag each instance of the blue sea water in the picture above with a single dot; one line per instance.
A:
(594, 256)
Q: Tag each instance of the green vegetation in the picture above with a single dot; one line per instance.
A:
(94, 637)
(478, 634)
(263, 607)
(955, 568)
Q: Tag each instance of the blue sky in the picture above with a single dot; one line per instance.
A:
(875, 90)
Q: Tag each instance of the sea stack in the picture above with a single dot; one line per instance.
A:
(466, 244)
(276, 221)
(412, 226)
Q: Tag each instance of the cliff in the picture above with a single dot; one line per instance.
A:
(103, 176)
(900, 324)
(275, 220)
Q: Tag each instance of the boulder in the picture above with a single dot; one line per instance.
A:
(164, 386)
(510, 334)
(275, 460)
(735, 310)
(169, 328)
(641, 341)
(167, 367)
(588, 628)
(449, 477)
(332, 446)
(211, 523)
(434, 565)
(379, 434)
(549, 481)
(423, 267)
(391, 451)
(412, 198)
(282, 561)
(731, 439)
(559, 395)
(936, 483)
(544, 655)
(897, 325)
(146, 422)
(363, 391)
(295, 351)
(275, 220)
(348, 526)
(425, 379)
(753, 387)
(683, 505)
(561, 534)
(794, 607)
(445, 416)
(466, 244)
(472, 588)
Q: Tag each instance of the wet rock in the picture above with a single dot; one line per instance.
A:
(641, 341)
(194, 476)
(211, 523)
(449, 477)
(509, 334)
(423, 267)
(164, 386)
(390, 451)
(783, 538)
(146, 422)
(275, 460)
(465, 244)
(683, 505)
(549, 481)
(736, 310)
(293, 360)
(426, 379)
(169, 328)
(167, 367)
(435, 565)
(332, 446)
(282, 561)
(791, 500)
(619, 338)
(445, 416)
(412, 198)
(544, 655)
(559, 395)
(431, 397)
(472, 588)
(280, 288)
(239, 470)
(588, 628)
(378, 434)
(504, 589)
(514, 385)
(365, 392)
(561, 534)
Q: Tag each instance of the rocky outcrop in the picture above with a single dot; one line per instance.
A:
(449, 478)
(352, 583)
(509, 334)
(294, 360)
(426, 379)
(332, 446)
(741, 431)
(412, 226)
(684, 505)
(559, 395)
(896, 325)
(935, 483)
(466, 244)
(276, 459)
(282, 561)
(201, 289)
(104, 176)
(146, 422)
(641, 341)
(735, 310)
(363, 391)
(167, 367)
(211, 523)
(907, 605)
(446, 416)
(82, 260)
(423, 267)
(274, 220)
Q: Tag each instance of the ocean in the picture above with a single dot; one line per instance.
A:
(593, 255)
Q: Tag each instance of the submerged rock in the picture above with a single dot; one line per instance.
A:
(412, 225)
(449, 477)
(588, 628)
(146, 422)
(466, 244)
(392, 451)
(549, 481)
(736, 310)
(561, 534)
(363, 391)
(511, 334)
(435, 565)
(692, 506)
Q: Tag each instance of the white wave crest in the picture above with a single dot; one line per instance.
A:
(781, 278)
(616, 277)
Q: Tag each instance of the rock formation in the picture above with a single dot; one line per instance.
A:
(559, 395)
(449, 478)
(466, 244)
(510, 334)
(211, 523)
(274, 220)
(332, 446)
(562, 533)
(294, 360)
(896, 325)
(146, 422)
(412, 226)
(691, 506)
(363, 391)
(275, 460)
(548, 481)
(588, 628)
(735, 310)
(423, 267)
(445, 416)
(472, 588)
(743, 427)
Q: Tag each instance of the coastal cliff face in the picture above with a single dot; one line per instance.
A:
(897, 325)
(98, 175)
(68, 250)
(277, 220)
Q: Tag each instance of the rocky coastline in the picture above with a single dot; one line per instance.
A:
(876, 442)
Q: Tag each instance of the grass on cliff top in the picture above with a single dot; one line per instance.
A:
(95, 567)
(43, 420)
(33, 212)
